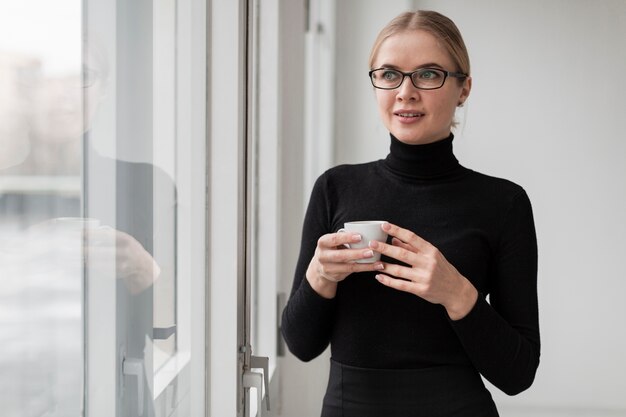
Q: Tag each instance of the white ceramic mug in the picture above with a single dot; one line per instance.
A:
(76, 223)
(73, 237)
(369, 230)
(72, 225)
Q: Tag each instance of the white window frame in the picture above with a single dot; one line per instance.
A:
(226, 112)
(180, 45)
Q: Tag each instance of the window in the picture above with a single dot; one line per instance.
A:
(103, 208)
(144, 178)
(40, 183)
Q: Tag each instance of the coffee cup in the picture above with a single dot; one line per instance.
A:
(369, 230)
(76, 223)
(75, 226)
(73, 237)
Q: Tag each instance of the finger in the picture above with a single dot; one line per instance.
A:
(353, 267)
(332, 240)
(396, 284)
(397, 242)
(106, 253)
(101, 233)
(395, 252)
(344, 255)
(406, 236)
(123, 239)
(399, 271)
(365, 267)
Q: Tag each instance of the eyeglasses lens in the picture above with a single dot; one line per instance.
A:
(425, 78)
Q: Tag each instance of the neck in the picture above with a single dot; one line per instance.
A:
(432, 160)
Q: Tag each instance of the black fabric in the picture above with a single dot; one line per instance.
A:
(443, 391)
(483, 225)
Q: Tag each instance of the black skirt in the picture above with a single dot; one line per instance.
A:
(443, 391)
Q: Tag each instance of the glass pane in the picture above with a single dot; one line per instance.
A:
(102, 208)
(144, 183)
(165, 144)
(41, 125)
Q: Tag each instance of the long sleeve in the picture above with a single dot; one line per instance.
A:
(307, 319)
(502, 337)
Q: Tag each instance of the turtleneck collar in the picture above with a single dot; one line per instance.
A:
(432, 160)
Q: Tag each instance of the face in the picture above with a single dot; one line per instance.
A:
(418, 116)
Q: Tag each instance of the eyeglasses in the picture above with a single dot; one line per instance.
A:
(423, 78)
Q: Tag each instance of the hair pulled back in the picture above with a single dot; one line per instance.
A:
(438, 25)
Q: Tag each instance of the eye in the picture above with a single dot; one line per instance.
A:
(390, 75)
(428, 74)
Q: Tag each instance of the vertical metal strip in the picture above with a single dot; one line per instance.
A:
(250, 63)
(251, 163)
(207, 213)
(243, 135)
(83, 206)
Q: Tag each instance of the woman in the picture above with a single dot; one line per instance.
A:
(411, 335)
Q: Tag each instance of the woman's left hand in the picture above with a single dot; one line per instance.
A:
(429, 276)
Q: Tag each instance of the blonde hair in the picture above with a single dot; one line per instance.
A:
(438, 25)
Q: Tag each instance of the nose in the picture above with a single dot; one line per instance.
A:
(407, 90)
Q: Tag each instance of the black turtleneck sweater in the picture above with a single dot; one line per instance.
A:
(481, 224)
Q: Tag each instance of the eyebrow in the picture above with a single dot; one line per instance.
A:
(428, 65)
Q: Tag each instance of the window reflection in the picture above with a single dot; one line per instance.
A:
(94, 164)
(41, 125)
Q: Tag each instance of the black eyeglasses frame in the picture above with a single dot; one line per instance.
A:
(447, 74)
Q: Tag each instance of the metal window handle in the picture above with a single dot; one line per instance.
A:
(281, 302)
(262, 362)
(257, 380)
(134, 367)
(163, 333)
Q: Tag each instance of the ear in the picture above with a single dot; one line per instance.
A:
(465, 90)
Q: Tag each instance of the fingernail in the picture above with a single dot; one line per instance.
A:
(373, 244)
(379, 266)
(356, 237)
(368, 254)
(379, 278)
(386, 226)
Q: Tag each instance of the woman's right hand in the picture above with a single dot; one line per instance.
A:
(333, 262)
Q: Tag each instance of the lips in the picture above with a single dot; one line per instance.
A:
(408, 113)
(408, 116)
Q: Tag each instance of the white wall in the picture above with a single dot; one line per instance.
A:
(359, 134)
(544, 112)
(307, 145)
(298, 395)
